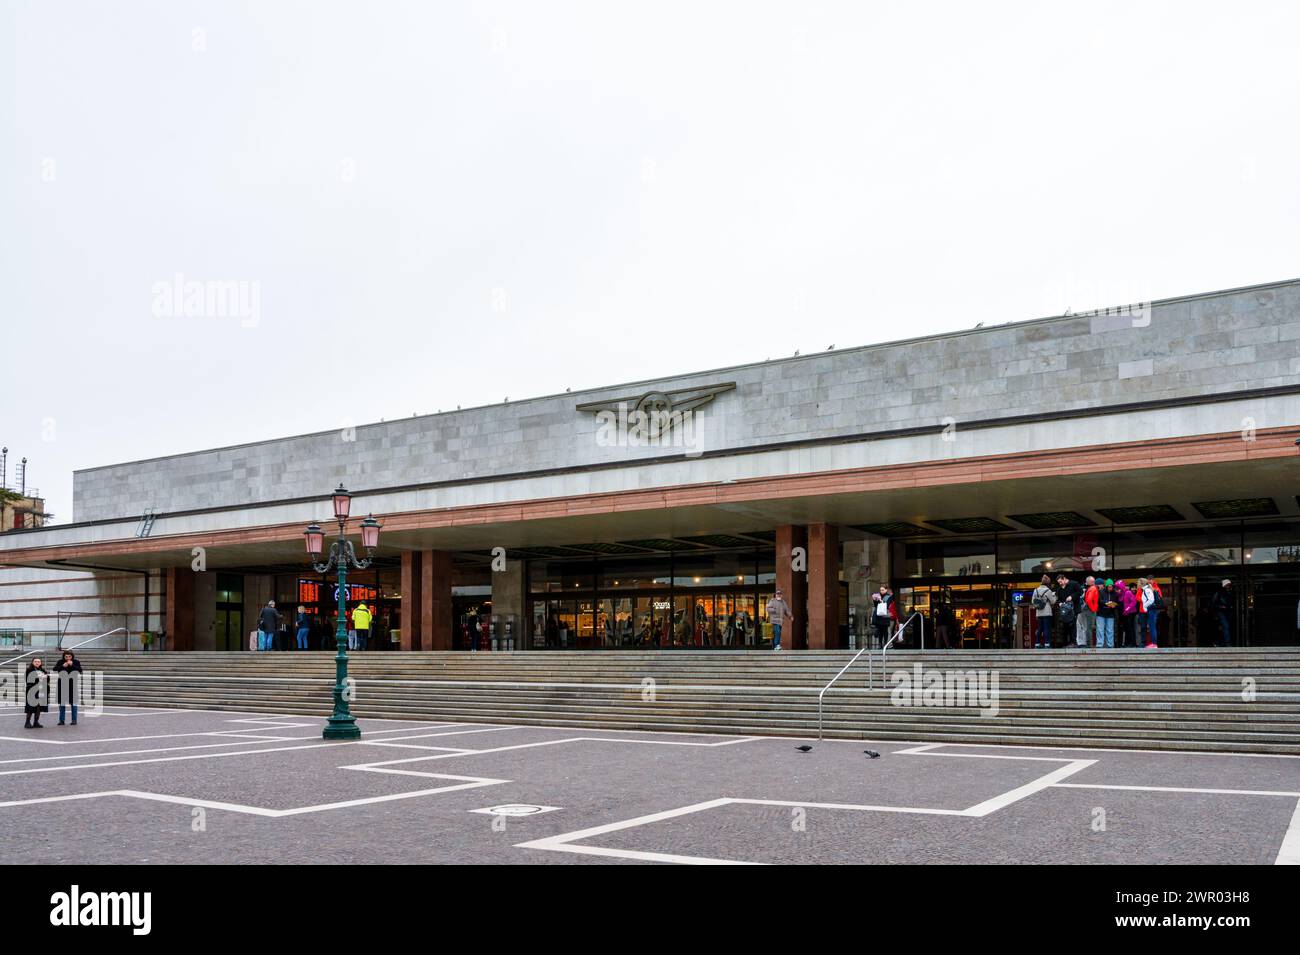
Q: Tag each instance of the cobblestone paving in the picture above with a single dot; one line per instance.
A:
(150, 786)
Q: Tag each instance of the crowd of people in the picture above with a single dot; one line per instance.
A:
(1109, 613)
(1098, 613)
(310, 631)
(1094, 612)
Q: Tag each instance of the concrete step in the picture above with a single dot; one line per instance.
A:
(1176, 699)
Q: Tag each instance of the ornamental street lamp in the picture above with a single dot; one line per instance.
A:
(342, 724)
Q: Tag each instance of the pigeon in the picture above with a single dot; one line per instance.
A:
(803, 749)
(872, 753)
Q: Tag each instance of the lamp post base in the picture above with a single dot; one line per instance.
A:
(345, 729)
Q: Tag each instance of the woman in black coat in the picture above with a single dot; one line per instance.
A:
(68, 678)
(36, 701)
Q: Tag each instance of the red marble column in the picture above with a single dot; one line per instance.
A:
(411, 604)
(823, 586)
(435, 599)
(179, 619)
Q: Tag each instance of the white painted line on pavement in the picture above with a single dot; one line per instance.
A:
(223, 734)
(1181, 789)
(468, 782)
(1028, 789)
(1289, 852)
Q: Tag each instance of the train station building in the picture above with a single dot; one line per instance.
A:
(1151, 439)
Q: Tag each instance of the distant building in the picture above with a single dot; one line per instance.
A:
(20, 510)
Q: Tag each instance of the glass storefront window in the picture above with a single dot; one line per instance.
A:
(230, 589)
(557, 577)
(1178, 547)
(634, 573)
(565, 614)
(684, 600)
(958, 557)
(1273, 543)
(1044, 554)
(683, 622)
(651, 617)
(614, 622)
(713, 570)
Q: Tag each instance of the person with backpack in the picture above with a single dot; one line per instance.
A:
(1070, 596)
(1108, 602)
(1150, 602)
(68, 681)
(1043, 599)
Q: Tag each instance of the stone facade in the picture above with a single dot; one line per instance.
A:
(1181, 348)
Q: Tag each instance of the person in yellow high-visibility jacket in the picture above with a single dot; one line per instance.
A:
(361, 623)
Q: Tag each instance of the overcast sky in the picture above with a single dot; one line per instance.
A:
(450, 203)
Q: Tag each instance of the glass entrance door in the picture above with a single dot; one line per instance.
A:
(228, 622)
(228, 629)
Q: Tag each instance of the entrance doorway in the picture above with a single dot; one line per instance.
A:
(228, 621)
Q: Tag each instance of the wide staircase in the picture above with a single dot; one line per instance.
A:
(1205, 699)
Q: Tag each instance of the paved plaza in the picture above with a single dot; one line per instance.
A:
(174, 786)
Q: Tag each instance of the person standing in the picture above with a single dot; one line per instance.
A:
(36, 699)
(1107, 607)
(1070, 595)
(778, 611)
(304, 627)
(1150, 601)
(1224, 603)
(942, 628)
(268, 622)
(1043, 599)
(68, 680)
(1128, 608)
(882, 613)
(1086, 626)
(361, 621)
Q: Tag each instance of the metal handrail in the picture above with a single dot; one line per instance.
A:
(902, 627)
(870, 666)
(59, 652)
(865, 649)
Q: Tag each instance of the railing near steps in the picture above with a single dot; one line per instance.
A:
(898, 635)
(902, 629)
(56, 651)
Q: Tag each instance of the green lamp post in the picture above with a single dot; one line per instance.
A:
(342, 724)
